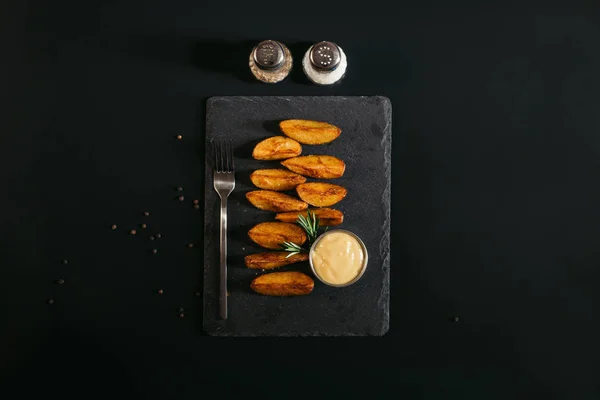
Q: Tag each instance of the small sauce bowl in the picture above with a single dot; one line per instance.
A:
(363, 268)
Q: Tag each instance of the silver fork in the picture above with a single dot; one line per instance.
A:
(224, 182)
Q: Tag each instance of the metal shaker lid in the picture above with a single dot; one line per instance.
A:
(325, 56)
(269, 54)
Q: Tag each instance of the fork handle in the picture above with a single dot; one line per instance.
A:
(223, 261)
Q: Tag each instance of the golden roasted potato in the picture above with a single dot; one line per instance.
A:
(327, 216)
(271, 235)
(309, 132)
(276, 179)
(290, 283)
(275, 201)
(273, 259)
(276, 148)
(321, 194)
(326, 167)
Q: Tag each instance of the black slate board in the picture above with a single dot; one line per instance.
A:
(365, 145)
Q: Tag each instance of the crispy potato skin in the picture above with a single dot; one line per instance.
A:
(321, 194)
(271, 235)
(276, 148)
(274, 201)
(276, 179)
(324, 167)
(283, 284)
(309, 132)
(273, 259)
(327, 216)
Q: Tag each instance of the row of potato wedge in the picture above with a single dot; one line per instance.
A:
(271, 235)
(315, 166)
(298, 131)
(289, 148)
(316, 194)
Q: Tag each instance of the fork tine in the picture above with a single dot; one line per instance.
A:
(223, 156)
(232, 158)
(221, 163)
(219, 156)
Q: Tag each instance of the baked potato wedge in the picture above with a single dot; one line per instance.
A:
(327, 216)
(273, 259)
(271, 235)
(309, 132)
(290, 283)
(276, 148)
(276, 179)
(326, 167)
(321, 194)
(275, 201)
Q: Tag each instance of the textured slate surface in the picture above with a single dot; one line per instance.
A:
(365, 145)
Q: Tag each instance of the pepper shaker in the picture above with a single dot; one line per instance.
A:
(270, 61)
(324, 63)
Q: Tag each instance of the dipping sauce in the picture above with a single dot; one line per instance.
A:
(338, 257)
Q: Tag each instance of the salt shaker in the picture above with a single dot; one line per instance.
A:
(270, 61)
(324, 63)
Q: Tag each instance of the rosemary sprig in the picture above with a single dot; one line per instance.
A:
(310, 224)
(293, 248)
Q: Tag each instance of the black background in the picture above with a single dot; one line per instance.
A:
(495, 214)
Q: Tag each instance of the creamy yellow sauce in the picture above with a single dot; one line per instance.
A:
(338, 258)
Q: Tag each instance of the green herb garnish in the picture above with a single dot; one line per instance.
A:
(293, 248)
(310, 224)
